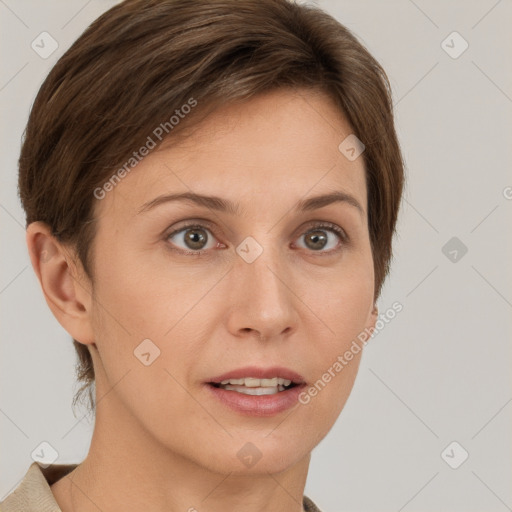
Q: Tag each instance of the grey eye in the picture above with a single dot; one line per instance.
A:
(193, 238)
(318, 239)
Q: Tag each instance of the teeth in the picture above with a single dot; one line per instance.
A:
(253, 386)
(251, 382)
(239, 382)
(254, 390)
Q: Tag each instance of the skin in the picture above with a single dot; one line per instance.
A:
(294, 306)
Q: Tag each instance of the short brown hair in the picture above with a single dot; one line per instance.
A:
(142, 59)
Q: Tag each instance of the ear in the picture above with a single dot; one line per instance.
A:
(372, 318)
(66, 287)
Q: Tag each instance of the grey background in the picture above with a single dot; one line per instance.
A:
(437, 373)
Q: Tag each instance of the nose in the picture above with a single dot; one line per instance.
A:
(262, 301)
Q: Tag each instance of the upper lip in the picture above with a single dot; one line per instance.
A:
(260, 373)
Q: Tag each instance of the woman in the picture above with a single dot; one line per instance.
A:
(211, 191)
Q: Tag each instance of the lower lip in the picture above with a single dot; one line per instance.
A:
(258, 405)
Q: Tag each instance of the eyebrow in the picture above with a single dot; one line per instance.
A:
(224, 205)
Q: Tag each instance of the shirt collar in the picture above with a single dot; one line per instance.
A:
(33, 493)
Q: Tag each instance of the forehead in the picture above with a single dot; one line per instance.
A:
(277, 145)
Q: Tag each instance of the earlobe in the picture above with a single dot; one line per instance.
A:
(67, 294)
(374, 315)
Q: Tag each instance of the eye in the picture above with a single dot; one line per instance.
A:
(197, 239)
(194, 239)
(317, 239)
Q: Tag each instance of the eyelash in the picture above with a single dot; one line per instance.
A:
(329, 226)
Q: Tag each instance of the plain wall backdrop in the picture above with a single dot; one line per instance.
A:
(434, 385)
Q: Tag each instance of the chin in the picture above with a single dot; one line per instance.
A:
(256, 454)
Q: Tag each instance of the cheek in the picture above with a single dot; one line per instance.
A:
(343, 304)
(138, 318)
(140, 299)
(343, 299)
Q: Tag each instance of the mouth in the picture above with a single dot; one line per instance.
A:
(256, 391)
(255, 386)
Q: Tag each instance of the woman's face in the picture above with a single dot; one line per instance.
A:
(269, 286)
